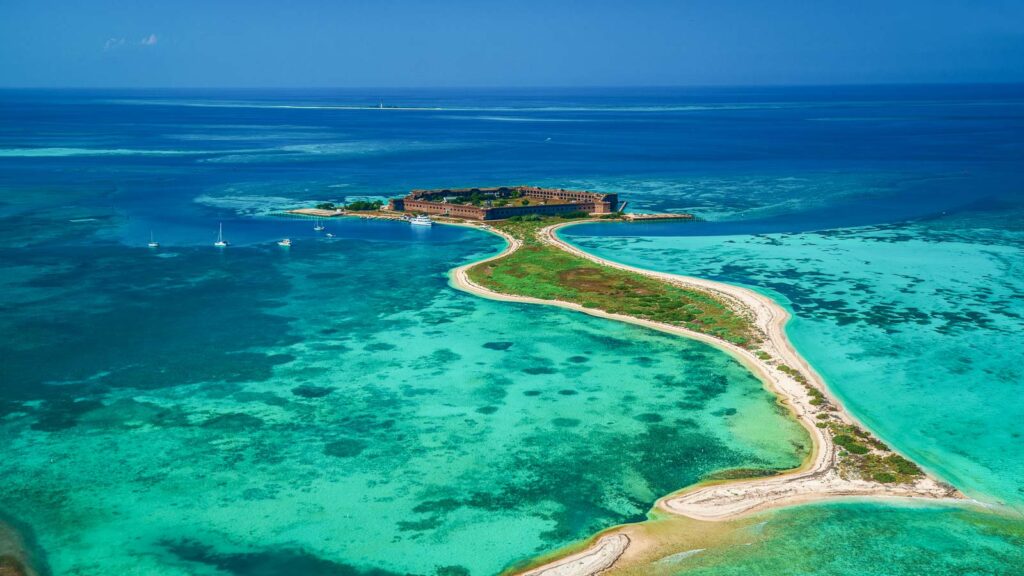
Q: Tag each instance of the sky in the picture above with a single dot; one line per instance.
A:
(457, 43)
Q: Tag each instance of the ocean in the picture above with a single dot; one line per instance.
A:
(337, 408)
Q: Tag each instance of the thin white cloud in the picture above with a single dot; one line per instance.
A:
(117, 43)
(113, 43)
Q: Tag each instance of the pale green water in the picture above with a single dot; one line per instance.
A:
(340, 410)
(917, 327)
(863, 539)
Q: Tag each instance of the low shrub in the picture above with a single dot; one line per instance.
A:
(851, 445)
(883, 477)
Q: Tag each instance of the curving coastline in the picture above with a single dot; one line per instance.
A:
(782, 370)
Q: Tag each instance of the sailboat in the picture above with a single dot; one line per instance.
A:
(220, 243)
(318, 227)
(152, 242)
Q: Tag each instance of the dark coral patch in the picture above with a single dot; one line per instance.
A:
(345, 448)
(380, 347)
(498, 345)
(266, 562)
(310, 391)
(540, 370)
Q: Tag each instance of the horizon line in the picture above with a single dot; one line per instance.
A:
(533, 87)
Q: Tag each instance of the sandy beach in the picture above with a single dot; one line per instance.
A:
(819, 478)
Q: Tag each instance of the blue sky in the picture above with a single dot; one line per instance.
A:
(390, 43)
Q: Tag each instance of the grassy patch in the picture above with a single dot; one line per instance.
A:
(541, 271)
(741, 474)
(867, 457)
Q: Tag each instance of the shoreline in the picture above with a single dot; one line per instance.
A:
(818, 478)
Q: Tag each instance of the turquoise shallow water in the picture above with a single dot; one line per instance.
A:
(916, 326)
(337, 408)
(264, 412)
(862, 539)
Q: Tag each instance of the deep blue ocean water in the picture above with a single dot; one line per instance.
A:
(337, 409)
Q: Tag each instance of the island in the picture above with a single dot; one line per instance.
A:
(847, 460)
(538, 267)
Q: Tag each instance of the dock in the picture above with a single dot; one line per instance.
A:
(651, 217)
(317, 212)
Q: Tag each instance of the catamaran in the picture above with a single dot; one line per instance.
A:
(220, 243)
(318, 226)
(421, 220)
(152, 241)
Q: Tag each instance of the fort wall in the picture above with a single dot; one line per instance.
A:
(542, 201)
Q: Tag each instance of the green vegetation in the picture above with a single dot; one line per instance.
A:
(849, 444)
(574, 215)
(817, 398)
(363, 205)
(475, 198)
(862, 454)
(741, 474)
(545, 272)
(867, 457)
(326, 206)
(542, 271)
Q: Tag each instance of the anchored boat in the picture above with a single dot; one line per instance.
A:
(220, 243)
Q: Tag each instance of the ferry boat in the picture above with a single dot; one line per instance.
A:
(421, 220)
(152, 241)
(220, 243)
(286, 243)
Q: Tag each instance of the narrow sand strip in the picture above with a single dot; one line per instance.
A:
(595, 559)
(817, 479)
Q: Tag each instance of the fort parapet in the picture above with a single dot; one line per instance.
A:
(504, 202)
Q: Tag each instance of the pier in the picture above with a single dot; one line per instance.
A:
(318, 212)
(652, 217)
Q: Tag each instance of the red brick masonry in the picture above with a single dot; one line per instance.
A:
(542, 201)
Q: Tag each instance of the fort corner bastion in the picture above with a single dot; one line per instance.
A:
(504, 202)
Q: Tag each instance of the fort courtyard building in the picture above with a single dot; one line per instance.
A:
(504, 202)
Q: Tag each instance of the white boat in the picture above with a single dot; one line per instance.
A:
(421, 220)
(287, 242)
(220, 243)
(329, 235)
(152, 242)
(318, 226)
